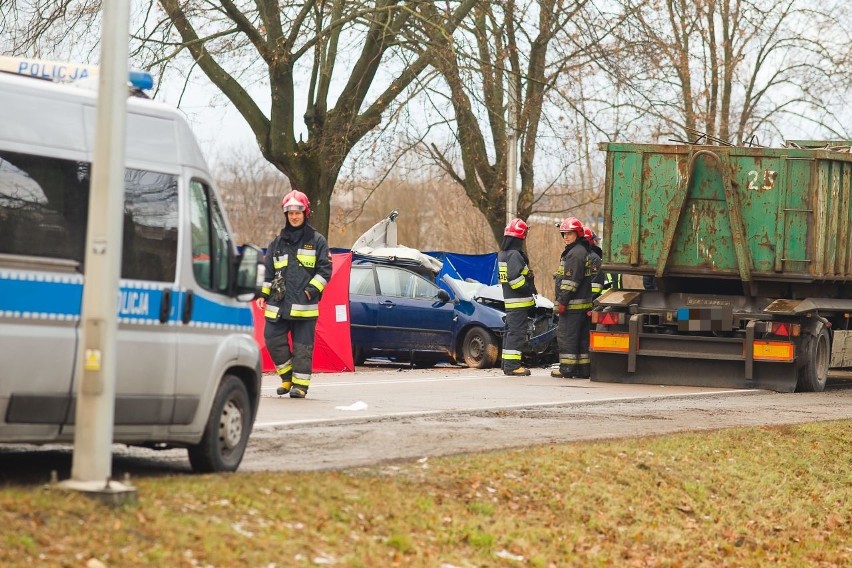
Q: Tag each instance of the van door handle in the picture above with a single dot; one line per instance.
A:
(187, 307)
(165, 305)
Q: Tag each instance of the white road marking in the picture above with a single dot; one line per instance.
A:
(392, 382)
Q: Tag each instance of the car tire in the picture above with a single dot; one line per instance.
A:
(358, 356)
(479, 348)
(227, 432)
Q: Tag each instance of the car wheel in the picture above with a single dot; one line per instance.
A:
(227, 432)
(479, 348)
(358, 355)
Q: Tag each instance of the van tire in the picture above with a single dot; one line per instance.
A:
(227, 432)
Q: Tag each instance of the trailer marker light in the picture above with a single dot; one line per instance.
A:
(779, 351)
(785, 329)
(613, 342)
(607, 318)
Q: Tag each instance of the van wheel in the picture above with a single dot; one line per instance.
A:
(227, 432)
(813, 374)
(479, 349)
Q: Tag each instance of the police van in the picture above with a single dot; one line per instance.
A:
(188, 370)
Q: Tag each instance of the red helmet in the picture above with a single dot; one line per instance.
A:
(516, 228)
(571, 224)
(296, 201)
(590, 235)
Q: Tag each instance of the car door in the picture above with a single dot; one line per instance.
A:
(409, 308)
(364, 309)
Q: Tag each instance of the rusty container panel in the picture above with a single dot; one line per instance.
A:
(728, 212)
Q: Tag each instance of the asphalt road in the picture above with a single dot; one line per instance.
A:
(384, 413)
(381, 414)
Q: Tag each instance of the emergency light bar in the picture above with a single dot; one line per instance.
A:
(63, 72)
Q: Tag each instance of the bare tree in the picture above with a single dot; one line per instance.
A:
(342, 57)
(733, 69)
(509, 47)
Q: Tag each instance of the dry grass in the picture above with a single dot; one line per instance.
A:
(740, 497)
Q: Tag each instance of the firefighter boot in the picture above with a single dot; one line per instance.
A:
(298, 392)
(284, 388)
(563, 371)
(519, 372)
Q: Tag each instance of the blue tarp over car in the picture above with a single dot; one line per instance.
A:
(478, 267)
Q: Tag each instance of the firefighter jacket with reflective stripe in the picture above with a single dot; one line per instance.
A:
(594, 269)
(515, 278)
(573, 278)
(298, 268)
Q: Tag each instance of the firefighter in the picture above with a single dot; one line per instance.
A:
(574, 299)
(518, 288)
(594, 262)
(298, 268)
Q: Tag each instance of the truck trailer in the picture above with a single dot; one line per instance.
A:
(749, 250)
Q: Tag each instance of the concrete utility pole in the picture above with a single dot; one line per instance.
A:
(95, 374)
(512, 149)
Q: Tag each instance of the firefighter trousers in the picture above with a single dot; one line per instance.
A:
(515, 340)
(292, 365)
(572, 338)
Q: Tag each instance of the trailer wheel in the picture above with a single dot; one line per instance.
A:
(814, 371)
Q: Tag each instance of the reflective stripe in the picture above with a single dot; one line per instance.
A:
(266, 288)
(514, 303)
(578, 301)
(584, 360)
(596, 288)
(271, 311)
(302, 379)
(511, 355)
(307, 257)
(279, 262)
(304, 310)
(518, 282)
(569, 285)
(318, 282)
(284, 368)
(584, 306)
(568, 359)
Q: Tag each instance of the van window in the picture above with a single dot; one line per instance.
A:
(210, 243)
(44, 208)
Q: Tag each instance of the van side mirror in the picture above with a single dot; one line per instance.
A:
(250, 273)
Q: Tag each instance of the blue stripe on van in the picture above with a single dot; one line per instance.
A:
(51, 296)
(40, 296)
(206, 312)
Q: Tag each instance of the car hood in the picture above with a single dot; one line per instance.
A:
(494, 293)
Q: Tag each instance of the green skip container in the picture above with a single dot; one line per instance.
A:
(755, 218)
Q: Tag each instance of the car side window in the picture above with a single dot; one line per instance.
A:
(391, 281)
(361, 282)
(423, 289)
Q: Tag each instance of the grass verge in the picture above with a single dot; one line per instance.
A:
(739, 497)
